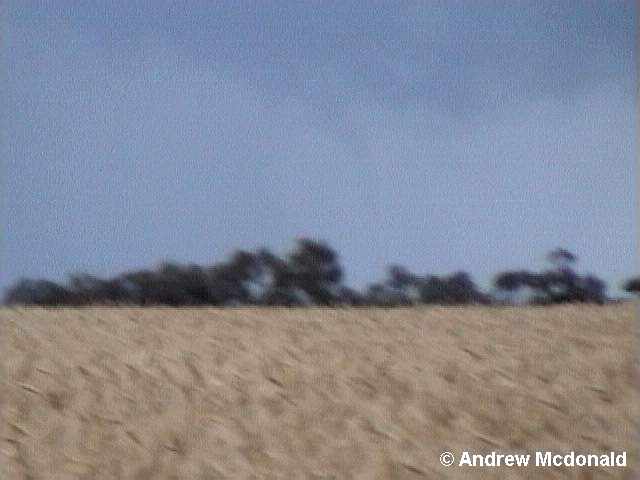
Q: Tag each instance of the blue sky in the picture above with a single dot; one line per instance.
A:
(439, 135)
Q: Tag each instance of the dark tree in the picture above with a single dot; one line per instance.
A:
(317, 271)
(88, 289)
(433, 290)
(512, 280)
(461, 290)
(349, 296)
(38, 292)
(177, 285)
(142, 287)
(277, 281)
(595, 289)
(456, 289)
(400, 278)
(401, 286)
(632, 285)
(562, 257)
(309, 275)
(381, 295)
(558, 285)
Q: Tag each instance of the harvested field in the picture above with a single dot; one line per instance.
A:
(312, 393)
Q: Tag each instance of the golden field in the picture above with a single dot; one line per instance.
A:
(146, 393)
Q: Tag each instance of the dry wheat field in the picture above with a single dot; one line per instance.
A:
(154, 393)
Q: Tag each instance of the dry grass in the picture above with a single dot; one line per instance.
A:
(318, 394)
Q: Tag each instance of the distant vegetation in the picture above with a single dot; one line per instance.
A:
(311, 275)
(632, 285)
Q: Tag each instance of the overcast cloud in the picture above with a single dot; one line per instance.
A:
(439, 135)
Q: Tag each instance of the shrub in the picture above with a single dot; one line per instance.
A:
(38, 292)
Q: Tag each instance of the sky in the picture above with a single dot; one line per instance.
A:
(441, 135)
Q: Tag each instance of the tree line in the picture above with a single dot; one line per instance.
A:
(311, 274)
